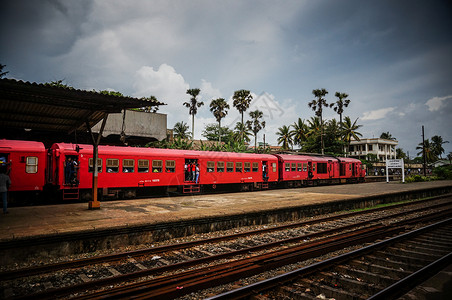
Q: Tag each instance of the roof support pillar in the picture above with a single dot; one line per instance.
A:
(94, 203)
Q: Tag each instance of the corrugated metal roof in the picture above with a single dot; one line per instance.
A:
(47, 108)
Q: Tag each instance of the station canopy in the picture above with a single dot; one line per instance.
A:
(40, 107)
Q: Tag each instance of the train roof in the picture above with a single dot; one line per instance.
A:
(294, 158)
(105, 150)
(14, 145)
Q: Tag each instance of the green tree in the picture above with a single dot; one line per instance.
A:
(180, 130)
(242, 133)
(219, 107)
(449, 157)
(284, 137)
(387, 136)
(212, 133)
(317, 106)
(349, 131)
(300, 132)
(256, 125)
(2, 74)
(400, 153)
(340, 104)
(332, 138)
(193, 106)
(429, 151)
(242, 100)
(437, 145)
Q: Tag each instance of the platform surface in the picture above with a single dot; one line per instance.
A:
(63, 218)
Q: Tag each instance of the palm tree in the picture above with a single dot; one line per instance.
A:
(255, 125)
(285, 137)
(219, 107)
(317, 106)
(300, 132)
(349, 131)
(429, 151)
(242, 100)
(449, 157)
(437, 145)
(387, 136)
(1, 71)
(242, 132)
(193, 107)
(180, 130)
(340, 104)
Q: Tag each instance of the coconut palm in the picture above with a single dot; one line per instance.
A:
(242, 100)
(340, 104)
(387, 136)
(349, 131)
(437, 145)
(429, 151)
(242, 133)
(193, 106)
(300, 132)
(219, 107)
(180, 130)
(256, 125)
(317, 106)
(284, 137)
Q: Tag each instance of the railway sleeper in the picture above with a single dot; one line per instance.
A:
(378, 269)
(440, 251)
(410, 254)
(425, 240)
(288, 292)
(395, 265)
(436, 237)
(408, 261)
(367, 276)
(317, 288)
(355, 285)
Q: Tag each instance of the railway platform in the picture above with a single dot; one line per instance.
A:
(54, 220)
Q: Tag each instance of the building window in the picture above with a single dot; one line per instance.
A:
(247, 167)
(32, 165)
(238, 167)
(370, 147)
(220, 166)
(143, 166)
(229, 166)
(99, 165)
(170, 166)
(112, 165)
(210, 166)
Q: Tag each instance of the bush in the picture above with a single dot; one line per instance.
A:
(443, 172)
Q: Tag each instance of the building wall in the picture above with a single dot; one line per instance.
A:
(382, 148)
(139, 124)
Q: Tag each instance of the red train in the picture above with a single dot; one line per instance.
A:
(127, 172)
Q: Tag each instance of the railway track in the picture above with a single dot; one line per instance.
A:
(215, 255)
(384, 270)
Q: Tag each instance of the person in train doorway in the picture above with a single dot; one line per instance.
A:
(264, 172)
(193, 172)
(197, 173)
(5, 183)
(186, 171)
(68, 170)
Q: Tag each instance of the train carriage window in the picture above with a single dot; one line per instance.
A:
(128, 165)
(238, 167)
(274, 167)
(143, 166)
(157, 166)
(220, 166)
(32, 165)
(322, 168)
(299, 167)
(229, 166)
(255, 167)
(247, 167)
(210, 166)
(305, 167)
(99, 165)
(313, 166)
(170, 166)
(293, 167)
(349, 167)
(112, 165)
(287, 167)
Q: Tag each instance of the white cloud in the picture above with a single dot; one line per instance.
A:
(208, 92)
(436, 103)
(377, 114)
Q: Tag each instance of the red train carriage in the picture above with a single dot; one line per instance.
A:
(25, 163)
(126, 171)
(351, 170)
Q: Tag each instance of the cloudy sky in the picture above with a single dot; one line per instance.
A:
(394, 58)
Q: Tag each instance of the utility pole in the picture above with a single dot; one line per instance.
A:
(423, 152)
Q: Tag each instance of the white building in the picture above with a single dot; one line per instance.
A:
(382, 148)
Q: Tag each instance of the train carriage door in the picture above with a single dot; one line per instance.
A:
(330, 169)
(310, 173)
(353, 170)
(192, 170)
(71, 170)
(265, 170)
(4, 162)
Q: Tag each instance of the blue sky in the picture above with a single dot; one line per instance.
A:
(393, 58)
